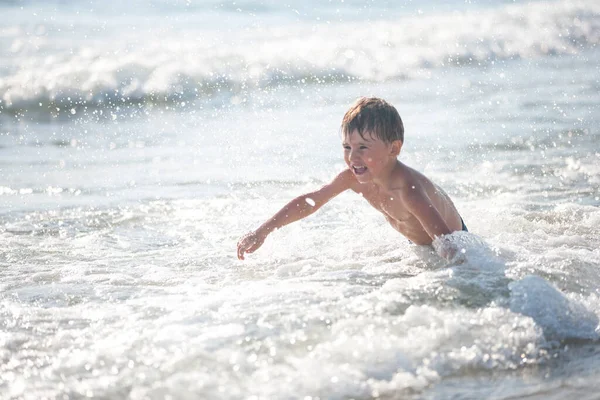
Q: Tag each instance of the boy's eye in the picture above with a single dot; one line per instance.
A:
(363, 147)
(346, 147)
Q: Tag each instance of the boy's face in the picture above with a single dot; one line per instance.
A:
(368, 157)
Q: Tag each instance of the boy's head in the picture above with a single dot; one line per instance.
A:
(373, 116)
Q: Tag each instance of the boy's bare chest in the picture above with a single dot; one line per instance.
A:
(396, 215)
(391, 207)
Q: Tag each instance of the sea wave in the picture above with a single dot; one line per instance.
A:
(53, 75)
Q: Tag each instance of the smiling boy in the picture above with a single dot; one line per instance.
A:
(373, 135)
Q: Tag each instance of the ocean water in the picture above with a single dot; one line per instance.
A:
(140, 140)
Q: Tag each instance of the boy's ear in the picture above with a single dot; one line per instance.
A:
(396, 147)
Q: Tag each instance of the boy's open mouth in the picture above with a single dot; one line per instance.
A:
(359, 170)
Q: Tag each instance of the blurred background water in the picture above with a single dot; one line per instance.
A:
(139, 140)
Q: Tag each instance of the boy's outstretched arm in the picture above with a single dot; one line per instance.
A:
(300, 207)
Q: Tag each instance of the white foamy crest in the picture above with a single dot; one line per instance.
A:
(559, 317)
(175, 67)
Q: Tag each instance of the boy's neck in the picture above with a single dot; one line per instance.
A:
(384, 180)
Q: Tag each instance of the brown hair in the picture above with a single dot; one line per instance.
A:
(375, 116)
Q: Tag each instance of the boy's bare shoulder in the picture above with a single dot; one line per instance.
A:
(406, 179)
(412, 187)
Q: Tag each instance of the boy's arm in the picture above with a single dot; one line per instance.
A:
(300, 207)
(420, 205)
(417, 202)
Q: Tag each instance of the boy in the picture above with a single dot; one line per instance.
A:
(373, 135)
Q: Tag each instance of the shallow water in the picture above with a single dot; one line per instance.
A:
(132, 160)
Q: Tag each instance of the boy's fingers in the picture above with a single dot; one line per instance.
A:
(251, 248)
(246, 244)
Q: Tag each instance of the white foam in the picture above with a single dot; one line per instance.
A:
(328, 316)
(367, 356)
(176, 66)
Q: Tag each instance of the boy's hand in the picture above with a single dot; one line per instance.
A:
(249, 244)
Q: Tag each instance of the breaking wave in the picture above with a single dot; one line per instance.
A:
(54, 76)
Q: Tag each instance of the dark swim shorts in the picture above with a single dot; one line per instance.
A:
(464, 227)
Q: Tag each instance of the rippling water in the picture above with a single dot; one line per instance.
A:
(138, 142)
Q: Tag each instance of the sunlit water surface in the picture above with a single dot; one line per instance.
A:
(130, 167)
